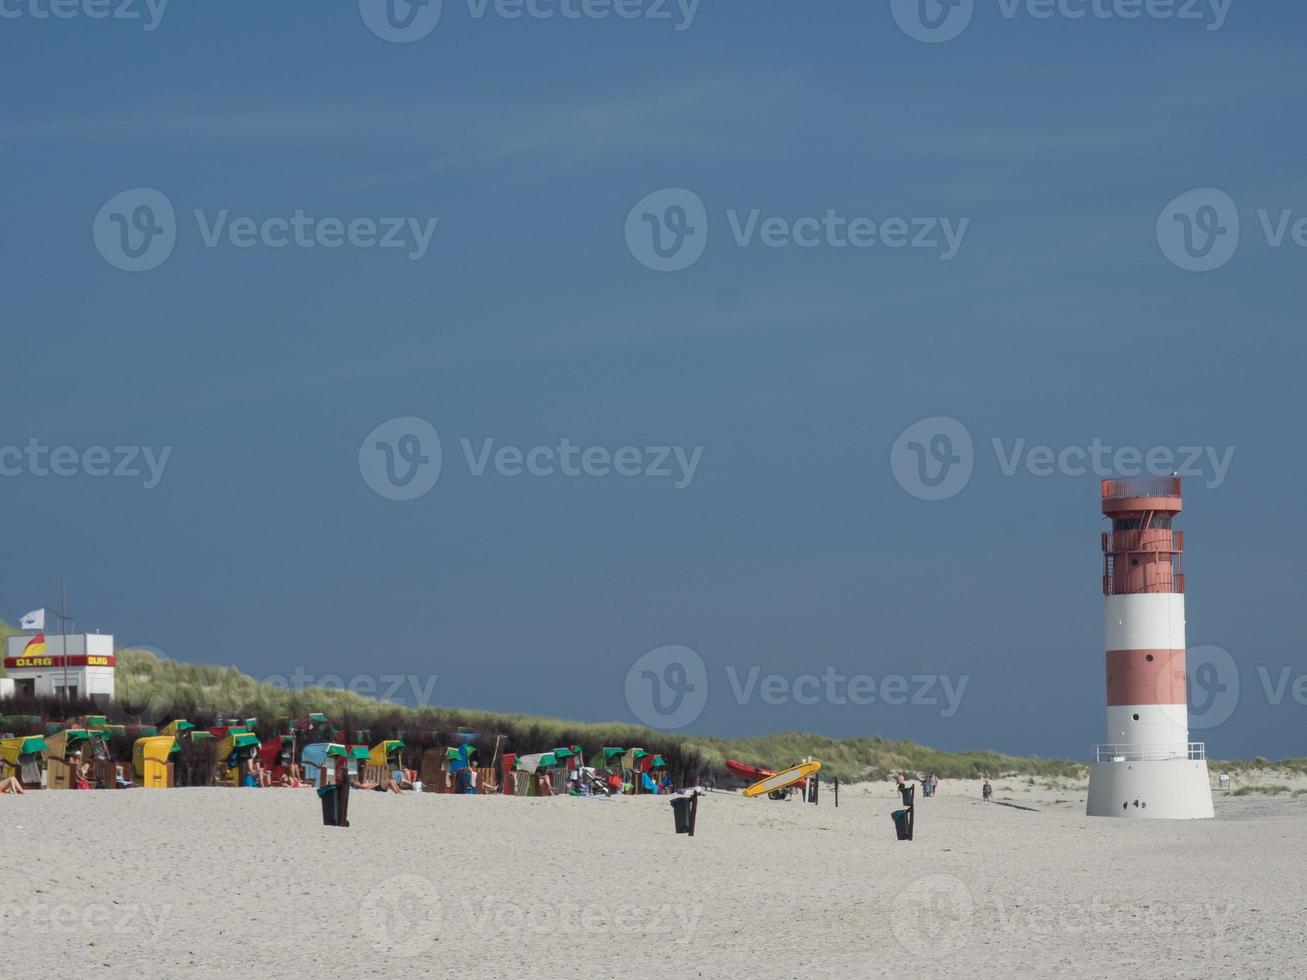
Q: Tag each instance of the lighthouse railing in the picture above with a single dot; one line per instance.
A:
(1137, 752)
(1126, 487)
(1153, 539)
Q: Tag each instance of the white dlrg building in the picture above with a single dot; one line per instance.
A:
(76, 665)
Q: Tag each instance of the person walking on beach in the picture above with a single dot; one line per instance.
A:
(987, 790)
(905, 792)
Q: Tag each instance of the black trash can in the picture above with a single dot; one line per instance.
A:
(902, 823)
(330, 811)
(681, 810)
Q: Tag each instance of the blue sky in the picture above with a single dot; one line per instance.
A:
(529, 318)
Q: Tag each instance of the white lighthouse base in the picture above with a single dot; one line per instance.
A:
(1163, 789)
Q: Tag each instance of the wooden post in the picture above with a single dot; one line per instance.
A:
(837, 792)
(694, 811)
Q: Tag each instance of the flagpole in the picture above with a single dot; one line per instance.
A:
(63, 629)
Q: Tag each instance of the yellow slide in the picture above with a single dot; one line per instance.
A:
(782, 779)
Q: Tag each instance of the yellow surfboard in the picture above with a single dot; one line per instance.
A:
(782, 779)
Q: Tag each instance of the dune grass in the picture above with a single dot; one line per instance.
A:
(1292, 767)
(6, 631)
(1275, 789)
(152, 688)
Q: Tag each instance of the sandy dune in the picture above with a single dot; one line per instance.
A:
(224, 883)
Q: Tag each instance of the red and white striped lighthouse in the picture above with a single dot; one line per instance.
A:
(1148, 767)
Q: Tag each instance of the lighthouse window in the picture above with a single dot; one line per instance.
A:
(1134, 561)
(1135, 717)
(1149, 658)
(1158, 522)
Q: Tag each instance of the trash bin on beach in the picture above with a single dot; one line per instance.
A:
(335, 804)
(681, 810)
(685, 809)
(902, 823)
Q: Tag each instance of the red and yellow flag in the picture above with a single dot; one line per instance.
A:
(35, 646)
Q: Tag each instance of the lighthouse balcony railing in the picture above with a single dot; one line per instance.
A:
(1137, 752)
(1153, 539)
(1114, 586)
(1141, 486)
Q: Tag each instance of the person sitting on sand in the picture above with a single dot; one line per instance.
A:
(387, 783)
(10, 784)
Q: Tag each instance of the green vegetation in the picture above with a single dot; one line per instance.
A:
(6, 631)
(875, 758)
(1294, 767)
(1275, 789)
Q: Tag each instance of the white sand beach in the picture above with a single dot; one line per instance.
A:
(226, 883)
